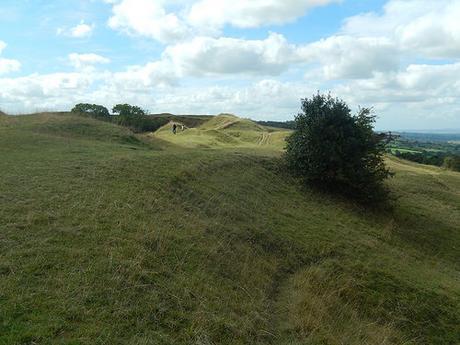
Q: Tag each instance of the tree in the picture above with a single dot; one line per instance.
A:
(452, 163)
(333, 149)
(128, 115)
(127, 110)
(136, 119)
(94, 110)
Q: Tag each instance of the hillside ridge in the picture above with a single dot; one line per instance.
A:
(191, 239)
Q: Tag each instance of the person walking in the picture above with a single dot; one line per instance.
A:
(174, 128)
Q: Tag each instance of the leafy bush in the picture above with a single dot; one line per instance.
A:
(452, 163)
(135, 118)
(126, 110)
(94, 110)
(330, 148)
(143, 123)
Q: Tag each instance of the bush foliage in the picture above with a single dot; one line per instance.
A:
(452, 163)
(136, 118)
(94, 110)
(127, 115)
(127, 110)
(333, 149)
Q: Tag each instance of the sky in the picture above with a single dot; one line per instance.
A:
(252, 58)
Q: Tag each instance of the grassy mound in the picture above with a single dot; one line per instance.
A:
(191, 121)
(225, 131)
(72, 126)
(231, 122)
(102, 244)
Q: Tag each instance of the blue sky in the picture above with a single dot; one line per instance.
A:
(253, 58)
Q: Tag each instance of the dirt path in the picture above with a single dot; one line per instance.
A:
(264, 139)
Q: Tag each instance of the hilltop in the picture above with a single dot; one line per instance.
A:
(112, 237)
(224, 130)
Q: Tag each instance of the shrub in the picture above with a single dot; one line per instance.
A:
(94, 110)
(452, 163)
(135, 118)
(126, 110)
(333, 149)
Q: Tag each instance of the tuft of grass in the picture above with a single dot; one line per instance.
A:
(101, 243)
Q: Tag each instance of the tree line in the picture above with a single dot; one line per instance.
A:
(126, 115)
(440, 159)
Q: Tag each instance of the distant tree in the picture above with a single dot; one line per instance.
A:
(127, 110)
(452, 163)
(136, 118)
(333, 149)
(278, 124)
(94, 110)
(128, 115)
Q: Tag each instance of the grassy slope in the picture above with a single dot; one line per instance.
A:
(105, 239)
(225, 131)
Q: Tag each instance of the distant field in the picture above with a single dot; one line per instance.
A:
(401, 149)
(110, 237)
(432, 149)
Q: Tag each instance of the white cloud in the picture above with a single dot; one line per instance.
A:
(150, 18)
(204, 56)
(417, 96)
(374, 60)
(419, 27)
(347, 57)
(264, 99)
(428, 93)
(339, 57)
(81, 30)
(147, 18)
(50, 91)
(213, 57)
(249, 14)
(80, 61)
(8, 65)
(155, 74)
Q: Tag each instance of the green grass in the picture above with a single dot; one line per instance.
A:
(188, 120)
(225, 131)
(202, 238)
(402, 149)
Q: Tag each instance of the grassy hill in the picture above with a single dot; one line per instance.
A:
(224, 131)
(107, 237)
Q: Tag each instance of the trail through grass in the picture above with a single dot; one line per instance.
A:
(111, 238)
